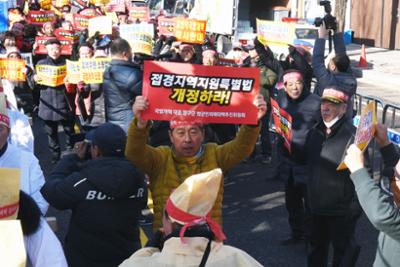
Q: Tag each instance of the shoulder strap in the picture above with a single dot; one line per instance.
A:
(206, 254)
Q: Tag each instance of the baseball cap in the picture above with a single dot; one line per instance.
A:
(110, 138)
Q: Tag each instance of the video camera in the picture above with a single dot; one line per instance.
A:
(329, 20)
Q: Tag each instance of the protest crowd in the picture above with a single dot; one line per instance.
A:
(153, 113)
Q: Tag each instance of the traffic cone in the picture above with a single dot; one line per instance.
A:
(363, 58)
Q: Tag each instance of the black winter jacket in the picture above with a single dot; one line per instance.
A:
(122, 83)
(106, 196)
(53, 104)
(331, 192)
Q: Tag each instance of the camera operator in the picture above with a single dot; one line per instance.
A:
(106, 195)
(338, 73)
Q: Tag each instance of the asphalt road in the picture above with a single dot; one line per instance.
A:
(255, 218)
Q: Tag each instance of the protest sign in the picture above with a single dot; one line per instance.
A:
(101, 24)
(41, 44)
(67, 34)
(3, 16)
(89, 12)
(9, 193)
(116, 6)
(80, 22)
(51, 75)
(66, 46)
(12, 250)
(45, 4)
(27, 57)
(219, 15)
(208, 94)
(190, 30)
(141, 13)
(283, 124)
(92, 69)
(74, 72)
(81, 4)
(12, 69)
(274, 32)
(166, 26)
(61, 3)
(365, 129)
(41, 17)
(139, 40)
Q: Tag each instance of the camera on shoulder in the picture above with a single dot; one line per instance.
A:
(329, 20)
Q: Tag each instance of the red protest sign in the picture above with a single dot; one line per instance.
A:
(208, 94)
(283, 123)
(166, 26)
(190, 30)
(116, 6)
(88, 12)
(66, 46)
(41, 17)
(67, 34)
(141, 13)
(81, 22)
(41, 44)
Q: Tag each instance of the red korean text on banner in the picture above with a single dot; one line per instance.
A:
(116, 6)
(283, 124)
(208, 94)
(67, 34)
(141, 13)
(166, 26)
(81, 22)
(41, 17)
(66, 46)
(190, 30)
(41, 44)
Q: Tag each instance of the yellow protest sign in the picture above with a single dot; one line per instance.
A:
(12, 249)
(9, 193)
(102, 24)
(61, 3)
(138, 37)
(51, 75)
(74, 72)
(365, 130)
(92, 69)
(12, 69)
(274, 32)
(45, 4)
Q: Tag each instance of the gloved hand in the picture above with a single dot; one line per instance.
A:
(157, 240)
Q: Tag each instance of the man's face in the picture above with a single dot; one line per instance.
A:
(48, 29)
(187, 140)
(294, 87)
(330, 111)
(4, 131)
(53, 50)
(85, 52)
(210, 59)
(186, 54)
(10, 41)
(66, 25)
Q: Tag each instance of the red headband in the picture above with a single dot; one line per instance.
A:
(334, 94)
(174, 124)
(209, 51)
(4, 119)
(190, 220)
(292, 75)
